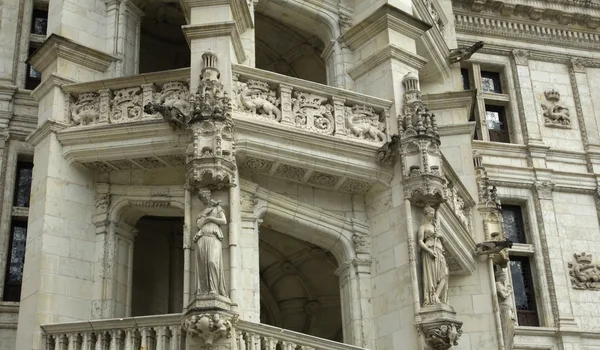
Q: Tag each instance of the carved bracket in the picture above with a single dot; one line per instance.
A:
(209, 328)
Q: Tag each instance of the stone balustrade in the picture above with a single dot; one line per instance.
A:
(122, 100)
(273, 98)
(164, 332)
(133, 333)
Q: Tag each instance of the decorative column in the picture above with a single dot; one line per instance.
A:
(425, 186)
(210, 170)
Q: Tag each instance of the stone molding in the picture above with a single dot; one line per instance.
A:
(57, 46)
(50, 82)
(469, 23)
(230, 29)
(239, 8)
(580, 12)
(390, 51)
(48, 127)
(384, 18)
(448, 100)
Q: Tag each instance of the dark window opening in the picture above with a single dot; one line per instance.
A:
(524, 291)
(464, 72)
(33, 78)
(23, 184)
(514, 229)
(39, 22)
(14, 267)
(496, 123)
(490, 82)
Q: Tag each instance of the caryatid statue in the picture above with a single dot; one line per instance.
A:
(435, 268)
(210, 278)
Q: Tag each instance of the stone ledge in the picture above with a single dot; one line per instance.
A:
(49, 126)
(50, 82)
(215, 30)
(386, 17)
(389, 51)
(57, 46)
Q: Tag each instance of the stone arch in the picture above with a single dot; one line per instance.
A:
(116, 244)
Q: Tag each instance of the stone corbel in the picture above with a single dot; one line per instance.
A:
(439, 326)
(210, 328)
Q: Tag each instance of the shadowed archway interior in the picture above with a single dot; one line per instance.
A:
(299, 289)
(288, 50)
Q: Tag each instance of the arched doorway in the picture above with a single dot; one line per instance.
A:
(299, 288)
(287, 50)
(157, 286)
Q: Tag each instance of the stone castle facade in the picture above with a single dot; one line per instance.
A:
(300, 174)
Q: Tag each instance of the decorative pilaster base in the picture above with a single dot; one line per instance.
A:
(439, 326)
(209, 302)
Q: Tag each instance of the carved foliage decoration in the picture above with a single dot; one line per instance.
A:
(209, 327)
(584, 274)
(555, 114)
(444, 336)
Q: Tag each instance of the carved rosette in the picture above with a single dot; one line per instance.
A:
(439, 326)
(209, 328)
(422, 173)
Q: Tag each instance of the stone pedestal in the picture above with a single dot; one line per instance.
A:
(213, 330)
(439, 326)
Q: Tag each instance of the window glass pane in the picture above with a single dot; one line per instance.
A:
(523, 291)
(14, 266)
(465, 78)
(513, 223)
(496, 122)
(39, 22)
(23, 184)
(490, 82)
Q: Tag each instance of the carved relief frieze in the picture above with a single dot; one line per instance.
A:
(290, 172)
(257, 165)
(355, 186)
(126, 105)
(584, 274)
(86, 110)
(459, 206)
(314, 112)
(258, 98)
(555, 114)
(322, 179)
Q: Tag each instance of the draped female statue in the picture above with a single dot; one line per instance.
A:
(210, 277)
(435, 268)
(508, 320)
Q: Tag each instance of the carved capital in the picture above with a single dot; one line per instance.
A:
(521, 57)
(544, 189)
(209, 328)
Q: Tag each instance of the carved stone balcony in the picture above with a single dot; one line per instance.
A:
(285, 127)
(165, 332)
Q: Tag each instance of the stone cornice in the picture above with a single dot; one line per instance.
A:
(537, 33)
(386, 53)
(49, 126)
(239, 8)
(453, 99)
(52, 81)
(386, 17)
(57, 46)
(215, 30)
(537, 55)
(456, 129)
(558, 12)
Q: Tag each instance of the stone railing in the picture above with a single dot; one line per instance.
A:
(164, 332)
(256, 336)
(316, 108)
(122, 100)
(133, 333)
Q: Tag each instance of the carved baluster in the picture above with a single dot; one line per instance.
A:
(339, 116)
(256, 341)
(116, 339)
(242, 341)
(148, 94)
(105, 98)
(74, 341)
(285, 93)
(306, 347)
(63, 342)
(102, 341)
(287, 345)
(270, 343)
(45, 342)
(161, 338)
(88, 341)
(175, 338)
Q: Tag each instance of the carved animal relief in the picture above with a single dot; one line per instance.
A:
(86, 110)
(258, 98)
(584, 274)
(555, 114)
